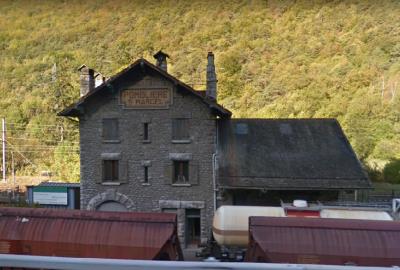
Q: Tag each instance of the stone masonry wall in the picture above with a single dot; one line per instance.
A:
(135, 153)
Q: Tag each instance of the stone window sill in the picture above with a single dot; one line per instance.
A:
(111, 141)
(181, 185)
(111, 183)
(181, 141)
(146, 184)
(146, 141)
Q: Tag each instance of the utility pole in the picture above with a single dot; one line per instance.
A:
(13, 174)
(3, 125)
(62, 133)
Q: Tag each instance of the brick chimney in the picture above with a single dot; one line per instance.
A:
(211, 90)
(86, 79)
(161, 58)
(98, 79)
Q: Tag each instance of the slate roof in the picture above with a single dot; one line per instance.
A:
(299, 154)
(139, 68)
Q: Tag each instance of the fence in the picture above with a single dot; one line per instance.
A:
(10, 198)
(382, 194)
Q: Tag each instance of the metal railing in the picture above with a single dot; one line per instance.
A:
(64, 263)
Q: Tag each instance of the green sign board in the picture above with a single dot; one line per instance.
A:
(50, 195)
(50, 189)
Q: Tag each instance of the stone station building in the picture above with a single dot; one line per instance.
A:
(149, 142)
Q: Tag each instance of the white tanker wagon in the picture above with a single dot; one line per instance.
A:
(230, 229)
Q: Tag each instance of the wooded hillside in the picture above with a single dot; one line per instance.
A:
(284, 59)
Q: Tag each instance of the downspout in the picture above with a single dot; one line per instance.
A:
(214, 166)
(214, 158)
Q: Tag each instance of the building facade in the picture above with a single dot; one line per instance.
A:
(270, 161)
(149, 142)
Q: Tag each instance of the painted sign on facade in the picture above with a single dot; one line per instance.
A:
(50, 195)
(159, 98)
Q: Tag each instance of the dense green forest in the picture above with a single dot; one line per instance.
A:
(275, 59)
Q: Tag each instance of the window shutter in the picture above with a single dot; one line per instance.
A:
(168, 173)
(185, 129)
(100, 176)
(193, 173)
(114, 130)
(174, 129)
(110, 129)
(123, 171)
(180, 129)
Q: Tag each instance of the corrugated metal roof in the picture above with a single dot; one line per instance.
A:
(324, 241)
(287, 154)
(59, 184)
(73, 233)
(56, 184)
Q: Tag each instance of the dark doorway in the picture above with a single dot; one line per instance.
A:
(192, 228)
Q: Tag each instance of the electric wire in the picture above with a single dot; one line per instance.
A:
(22, 155)
(36, 139)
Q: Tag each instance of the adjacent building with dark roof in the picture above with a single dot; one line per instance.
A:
(285, 159)
(149, 142)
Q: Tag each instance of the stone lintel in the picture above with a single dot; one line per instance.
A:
(111, 155)
(180, 156)
(181, 204)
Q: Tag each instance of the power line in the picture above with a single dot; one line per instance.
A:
(46, 146)
(45, 150)
(25, 125)
(42, 129)
(50, 133)
(34, 126)
(22, 155)
(36, 139)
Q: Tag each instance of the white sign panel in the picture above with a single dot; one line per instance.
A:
(58, 198)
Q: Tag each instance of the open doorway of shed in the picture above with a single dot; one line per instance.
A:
(112, 206)
(192, 228)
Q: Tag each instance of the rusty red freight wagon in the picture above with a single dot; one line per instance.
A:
(74, 233)
(324, 241)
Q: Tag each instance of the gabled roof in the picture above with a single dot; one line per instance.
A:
(142, 66)
(299, 154)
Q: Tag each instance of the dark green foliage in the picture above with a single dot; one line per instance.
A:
(374, 174)
(274, 59)
(391, 171)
